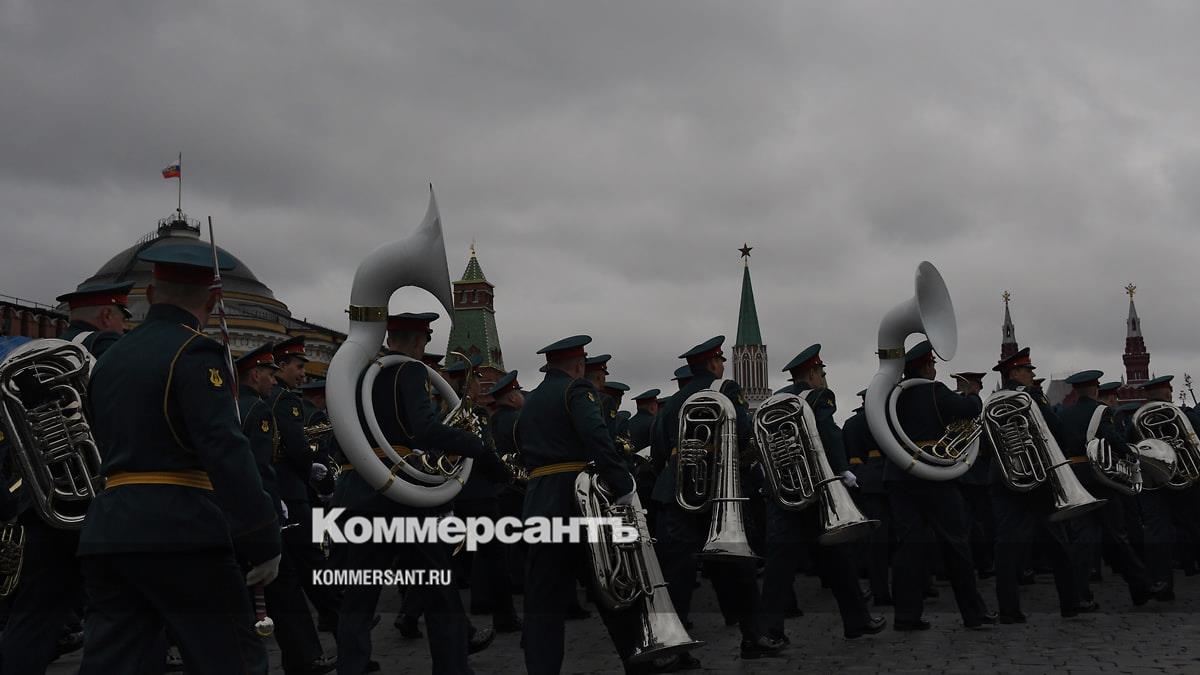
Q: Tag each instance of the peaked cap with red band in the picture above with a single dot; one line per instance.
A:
(188, 264)
(412, 322)
(566, 348)
(99, 295)
(259, 356)
(293, 346)
(1019, 360)
(709, 349)
(809, 358)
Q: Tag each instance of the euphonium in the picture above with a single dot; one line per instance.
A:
(707, 471)
(628, 573)
(931, 312)
(797, 471)
(1028, 455)
(1162, 421)
(1123, 474)
(43, 404)
(420, 261)
(12, 551)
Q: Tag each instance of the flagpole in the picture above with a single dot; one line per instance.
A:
(179, 203)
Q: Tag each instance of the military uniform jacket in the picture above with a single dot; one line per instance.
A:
(823, 406)
(924, 411)
(561, 422)
(161, 401)
(97, 342)
(664, 487)
(407, 417)
(293, 456)
(259, 427)
(639, 429)
(1075, 421)
(860, 444)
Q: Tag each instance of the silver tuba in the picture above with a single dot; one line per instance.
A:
(418, 260)
(931, 312)
(43, 404)
(707, 471)
(1028, 455)
(797, 471)
(1119, 473)
(628, 573)
(1162, 421)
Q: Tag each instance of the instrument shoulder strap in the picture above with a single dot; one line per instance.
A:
(78, 339)
(1094, 423)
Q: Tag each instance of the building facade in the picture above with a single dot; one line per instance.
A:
(474, 332)
(749, 352)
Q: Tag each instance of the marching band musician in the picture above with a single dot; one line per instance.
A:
(408, 420)
(788, 531)
(1110, 518)
(51, 587)
(866, 460)
(181, 486)
(299, 645)
(615, 392)
(639, 425)
(507, 402)
(977, 493)
(560, 431)
(315, 413)
(1159, 534)
(490, 590)
(919, 506)
(295, 466)
(1021, 515)
(681, 535)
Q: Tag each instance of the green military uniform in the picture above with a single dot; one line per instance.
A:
(406, 416)
(681, 535)
(789, 532)
(183, 495)
(51, 584)
(560, 431)
(922, 507)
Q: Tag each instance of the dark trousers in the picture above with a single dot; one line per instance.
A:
(1185, 509)
(1108, 523)
(444, 616)
(490, 590)
(983, 524)
(788, 533)
(511, 502)
(924, 512)
(1158, 535)
(551, 576)
(295, 633)
(306, 557)
(1020, 518)
(680, 536)
(46, 596)
(877, 546)
(200, 596)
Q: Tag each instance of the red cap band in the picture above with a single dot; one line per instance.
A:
(705, 356)
(97, 300)
(565, 353)
(263, 359)
(183, 274)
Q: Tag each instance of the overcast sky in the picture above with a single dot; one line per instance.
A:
(609, 159)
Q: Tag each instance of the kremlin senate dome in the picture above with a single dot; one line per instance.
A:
(252, 311)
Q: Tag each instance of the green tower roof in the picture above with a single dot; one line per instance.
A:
(747, 331)
(473, 272)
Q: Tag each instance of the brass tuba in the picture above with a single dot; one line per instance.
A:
(628, 573)
(1028, 455)
(1162, 421)
(797, 471)
(43, 406)
(419, 260)
(12, 551)
(931, 312)
(1119, 473)
(707, 471)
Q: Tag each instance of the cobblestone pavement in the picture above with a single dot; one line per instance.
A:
(1157, 638)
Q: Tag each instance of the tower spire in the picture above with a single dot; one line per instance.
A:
(1008, 341)
(749, 352)
(1136, 358)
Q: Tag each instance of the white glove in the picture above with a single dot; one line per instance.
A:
(263, 573)
(318, 472)
(626, 500)
(849, 479)
(283, 505)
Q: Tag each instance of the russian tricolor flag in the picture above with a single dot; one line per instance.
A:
(172, 171)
